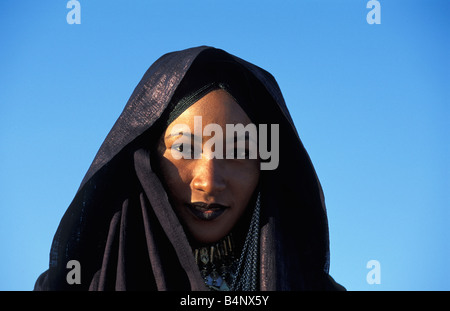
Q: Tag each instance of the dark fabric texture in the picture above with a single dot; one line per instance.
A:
(120, 225)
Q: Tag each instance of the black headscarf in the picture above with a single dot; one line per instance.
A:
(120, 226)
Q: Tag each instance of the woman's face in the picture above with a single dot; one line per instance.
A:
(209, 194)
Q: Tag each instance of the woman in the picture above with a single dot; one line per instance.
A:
(169, 204)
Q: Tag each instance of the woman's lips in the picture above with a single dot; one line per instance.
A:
(206, 211)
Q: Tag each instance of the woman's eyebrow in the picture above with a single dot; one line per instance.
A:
(181, 133)
(235, 138)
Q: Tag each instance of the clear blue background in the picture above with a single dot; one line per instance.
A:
(371, 104)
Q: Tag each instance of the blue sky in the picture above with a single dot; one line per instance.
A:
(370, 102)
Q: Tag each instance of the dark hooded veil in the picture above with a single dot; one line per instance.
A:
(122, 230)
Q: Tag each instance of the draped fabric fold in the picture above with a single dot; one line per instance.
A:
(166, 216)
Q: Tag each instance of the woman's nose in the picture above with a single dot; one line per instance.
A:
(209, 176)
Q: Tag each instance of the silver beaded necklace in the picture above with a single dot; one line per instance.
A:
(246, 275)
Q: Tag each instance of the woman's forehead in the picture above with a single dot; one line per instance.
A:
(217, 107)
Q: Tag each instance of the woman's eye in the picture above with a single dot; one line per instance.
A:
(183, 151)
(178, 147)
(237, 153)
(241, 153)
